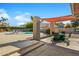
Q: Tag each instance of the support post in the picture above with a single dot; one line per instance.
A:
(51, 28)
(36, 28)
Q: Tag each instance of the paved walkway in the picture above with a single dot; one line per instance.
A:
(49, 50)
(60, 49)
(4, 38)
(74, 43)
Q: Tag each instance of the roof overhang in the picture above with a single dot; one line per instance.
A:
(74, 16)
(62, 18)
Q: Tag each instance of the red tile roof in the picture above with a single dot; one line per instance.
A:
(62, 18)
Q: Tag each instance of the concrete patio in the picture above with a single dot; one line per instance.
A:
(41, 48)
(60, 49)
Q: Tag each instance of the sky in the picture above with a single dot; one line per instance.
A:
(19, 13)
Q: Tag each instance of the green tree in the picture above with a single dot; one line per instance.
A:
(59, 24)
(28, 25)
(3, 21)
(67, 25)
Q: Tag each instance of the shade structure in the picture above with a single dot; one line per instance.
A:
(62, 18)
(75, 13)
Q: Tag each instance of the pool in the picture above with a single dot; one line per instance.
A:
(28, 32)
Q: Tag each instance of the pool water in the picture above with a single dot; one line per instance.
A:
(28, 32)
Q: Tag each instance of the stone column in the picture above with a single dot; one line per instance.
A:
(36, 27)
(51, 28)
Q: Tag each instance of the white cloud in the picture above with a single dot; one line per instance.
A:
(20, 18)
(23, 18)
(27, 14)
(20, 23)
(3, 13)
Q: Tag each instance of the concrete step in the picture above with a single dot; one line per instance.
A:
(27, 49)
(7, 50)
(13, 48)
(31, 48)
(24, 44)
(15, 54)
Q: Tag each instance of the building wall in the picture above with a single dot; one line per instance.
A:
(68, 30)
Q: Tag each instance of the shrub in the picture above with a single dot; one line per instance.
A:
(48, 31)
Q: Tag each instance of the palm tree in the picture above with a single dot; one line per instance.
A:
(3, 21)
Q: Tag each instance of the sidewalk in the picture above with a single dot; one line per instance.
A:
(74, 43)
